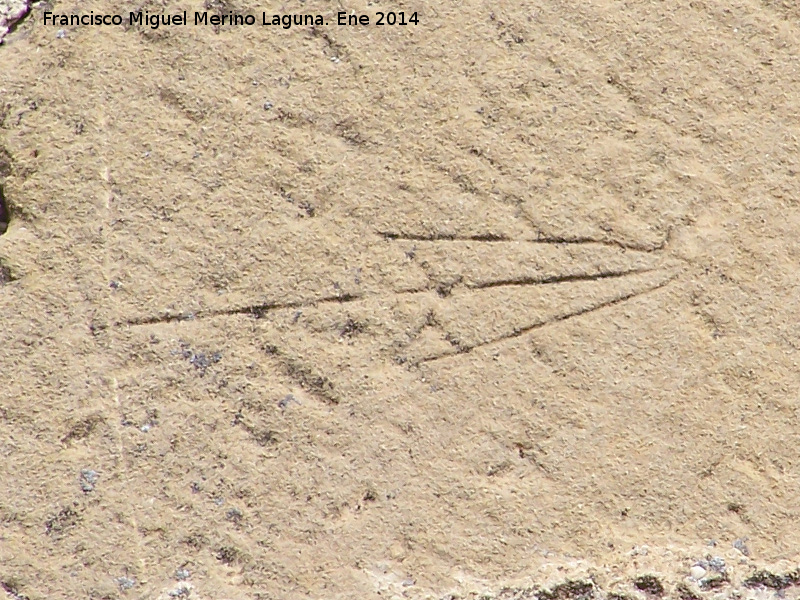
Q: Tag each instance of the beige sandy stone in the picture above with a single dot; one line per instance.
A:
(528, 270)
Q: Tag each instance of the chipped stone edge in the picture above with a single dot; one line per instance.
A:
(11, 11)
(779, 582)
(654, 572)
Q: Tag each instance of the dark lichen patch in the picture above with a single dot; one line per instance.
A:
(443, 290)
(5, 171)
(712, 583)
(684, 592)
(513, 594)
(229, 555)
(195, 540)
(12, 587)
(308, 209)
(351, 328)
(569, 590)
(735, 507)
(199, 360)
(650, 584)
(82, 429)
(262, 437)
(499, 468)
(5, 163)
(6, 276)
(234, 515)
(5, 213)
(773, 581)
(67, 518)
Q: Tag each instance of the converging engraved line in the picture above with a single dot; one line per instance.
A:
(259, 310)
(557, 279)
(523, 330)
(255, 310)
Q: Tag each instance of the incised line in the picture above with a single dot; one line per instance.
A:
(463, 349)
(558, 279)
(540, 239)
(260, 310)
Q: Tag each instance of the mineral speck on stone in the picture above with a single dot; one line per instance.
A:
(717, 563)
(11, 11)
(200, 360)
(125, 583)
(180, 591)
(287, 400)
(88, 479)
(741, 546)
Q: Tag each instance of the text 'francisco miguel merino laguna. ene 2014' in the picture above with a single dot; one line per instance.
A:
(154, 21)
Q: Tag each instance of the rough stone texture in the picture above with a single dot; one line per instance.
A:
(502, 303)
